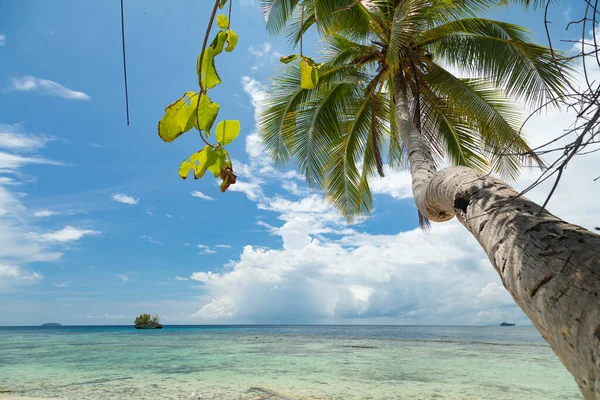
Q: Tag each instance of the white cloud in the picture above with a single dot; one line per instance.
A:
(252, 190)
(409, 277)
(14, 138)
(67, 234)
(125, 199)
(201, 195)
(223, 307)
(179, 278)
(45, 213)
(125, 277)
(397, 184)
(150, 239)
(96, 145)
(60, 285)
(45, 87)
(5, 180)
(11, 162)
(2, 39)
(12, 277)
(168, 216)
(150, 211)
(205, 249)
(223, 246)
(261, 51)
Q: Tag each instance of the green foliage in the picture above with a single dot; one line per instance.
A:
(288, 59)
(222, 21)
(308, 73)
(179, 117)
(207, 113)
(227, 131)
(232, 40)
(196, 110)
(209, 78)
(146, 318)
(339, 125)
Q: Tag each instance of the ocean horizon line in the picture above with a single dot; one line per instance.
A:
(261, 325)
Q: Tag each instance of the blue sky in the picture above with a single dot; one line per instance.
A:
(96, 226)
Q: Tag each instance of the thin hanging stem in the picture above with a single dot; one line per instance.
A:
(212, 19)
(124, 62)
(202, 90)
(229, 15)
(301, 28)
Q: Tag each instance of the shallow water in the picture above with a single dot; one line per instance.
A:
(299, 362)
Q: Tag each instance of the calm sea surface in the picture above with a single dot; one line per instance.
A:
(297, 362)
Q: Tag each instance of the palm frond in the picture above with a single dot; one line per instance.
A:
(524, 70)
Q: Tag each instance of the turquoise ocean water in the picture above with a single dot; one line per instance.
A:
(298, 362)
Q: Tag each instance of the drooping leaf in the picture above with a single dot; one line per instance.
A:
(207, 113)
(217, 161)
(232, 40)
(219, 42)
(308, 75)
(209, 77)
(178, 118)
(228, 177)
(196, 162)
(222, 3)
(222, 21)
(227, 131)
(288, 59)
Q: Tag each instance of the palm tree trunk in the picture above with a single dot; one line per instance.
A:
(550, 267)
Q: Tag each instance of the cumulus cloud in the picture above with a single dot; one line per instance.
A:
(201, 195)
(44, 87)
(125, 199)
(67, 234)
(408, 277)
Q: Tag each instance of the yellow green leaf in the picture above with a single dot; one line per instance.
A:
(218, 161)
(227, 131)
(178, 118)
(209, 76)
(288, 59)
(222, 3)
(231, 40)
(207, 113)
(219, 42)
(222, 21)
(196, 162)
(308, 75)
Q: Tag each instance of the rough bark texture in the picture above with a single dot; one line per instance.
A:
(550, 267)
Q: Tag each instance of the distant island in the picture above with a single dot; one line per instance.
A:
(147, 321)
(506, 324)
(51, 325)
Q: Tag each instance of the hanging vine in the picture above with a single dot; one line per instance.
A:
(309, 76)
(196, 110)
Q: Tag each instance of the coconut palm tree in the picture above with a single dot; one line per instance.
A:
(388, 92)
